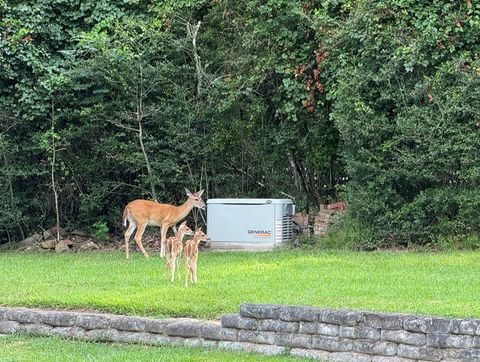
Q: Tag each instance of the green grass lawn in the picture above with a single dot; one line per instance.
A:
(22, 348)
(445, 284)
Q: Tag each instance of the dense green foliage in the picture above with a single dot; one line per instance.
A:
(107, 101)
(407, 104)
(422, 283)
(133, 112)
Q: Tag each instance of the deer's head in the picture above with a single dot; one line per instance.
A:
(200, 235)
(196, 199)
(183, 229)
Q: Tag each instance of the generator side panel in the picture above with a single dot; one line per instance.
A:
(284, 223)
(249, 224)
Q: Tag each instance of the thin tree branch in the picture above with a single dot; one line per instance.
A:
(192, 32)
(55, 194)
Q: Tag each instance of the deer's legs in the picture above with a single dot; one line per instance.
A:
(191, 270)
(138, 237)
(169, 265)
(177, 265)
(168, 248)
(187, 270)
(172, 267)
(163, 240)
(131, 228)
(179, 258)
(194, 269)
(167, 270)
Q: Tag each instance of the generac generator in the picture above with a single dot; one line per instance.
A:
(256, 224)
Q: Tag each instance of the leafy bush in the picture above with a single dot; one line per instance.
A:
(406, 102)
(347, 234)
(100, 230)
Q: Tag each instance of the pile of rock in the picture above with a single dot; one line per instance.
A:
(76, 240)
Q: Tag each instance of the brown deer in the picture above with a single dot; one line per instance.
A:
(142, 213)
(174, 247)
(190, 251)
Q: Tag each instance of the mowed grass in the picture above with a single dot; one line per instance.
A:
(446, 284)
(22, 348)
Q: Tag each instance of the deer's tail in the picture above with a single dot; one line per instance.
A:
(125, 216)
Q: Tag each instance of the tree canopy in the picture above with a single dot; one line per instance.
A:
(374, 102)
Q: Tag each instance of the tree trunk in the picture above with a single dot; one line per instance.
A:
(192, 31)
(147, 162)
(52, 174)
(140, 114)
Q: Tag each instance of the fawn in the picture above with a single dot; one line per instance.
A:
(190, 251)
(174, 247)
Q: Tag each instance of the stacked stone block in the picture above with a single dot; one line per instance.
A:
(325, 334)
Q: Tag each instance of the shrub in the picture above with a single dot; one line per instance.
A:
(100, 230)
(406, 102)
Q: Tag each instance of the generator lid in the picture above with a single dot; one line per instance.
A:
(249, 201)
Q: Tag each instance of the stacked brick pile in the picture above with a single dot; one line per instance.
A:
(326, 216)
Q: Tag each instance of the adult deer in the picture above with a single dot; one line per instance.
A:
(142, 213)
(190, 251)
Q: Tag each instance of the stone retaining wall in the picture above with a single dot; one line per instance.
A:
(325, 334)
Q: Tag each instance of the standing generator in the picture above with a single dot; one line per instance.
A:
(254, 224)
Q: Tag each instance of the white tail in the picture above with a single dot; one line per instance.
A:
(125, 216)
(142, 213)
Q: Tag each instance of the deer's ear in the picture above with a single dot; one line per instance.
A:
(184, 223)
(199, 193)
(188, 192)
